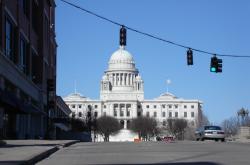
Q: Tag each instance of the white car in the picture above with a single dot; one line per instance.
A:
(210, 132)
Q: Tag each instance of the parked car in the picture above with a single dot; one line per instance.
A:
(210, 132)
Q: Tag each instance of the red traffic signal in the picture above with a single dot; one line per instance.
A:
(190, 57)
(123, 33)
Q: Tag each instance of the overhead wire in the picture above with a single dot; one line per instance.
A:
(151, 35)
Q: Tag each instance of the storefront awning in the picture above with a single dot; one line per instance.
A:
(62, 126)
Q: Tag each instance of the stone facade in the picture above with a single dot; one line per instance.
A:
(122, 96)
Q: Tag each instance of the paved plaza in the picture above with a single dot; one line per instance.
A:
(184, 152)
(30, 151)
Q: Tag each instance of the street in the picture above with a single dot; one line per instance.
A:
(181, 152)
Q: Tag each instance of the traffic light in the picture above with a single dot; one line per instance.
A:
(219, 65)
(216, 65)
(190, 57)
(123, 36)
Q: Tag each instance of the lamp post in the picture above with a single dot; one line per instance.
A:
(243, 113)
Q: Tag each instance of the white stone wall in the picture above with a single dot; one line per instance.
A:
(153, 107)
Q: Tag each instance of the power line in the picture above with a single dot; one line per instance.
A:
(151, 35)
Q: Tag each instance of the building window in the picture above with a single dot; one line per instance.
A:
(9, 39)
(163, 114)
(164, 123)
(80, 114)
(147, 114)
(96, 106)
(121, 112)
(176, 114)
(104, 113)
(73, 114)
(192, 114)
(139, 114)
(163, 106)
(23, 55)
(155, 114)
(170, 106)
(73, 106)
(35, 69)
(154, 106)
(175, 106)
(192, 106)
(170, 114)
(115, 112)
(185, 106)
(35, 16)
(185, 114)
(139, 107)
(96, 114)
(128, 112)
(147, 106)
(79, 106)
(104, 106)
(24, 4)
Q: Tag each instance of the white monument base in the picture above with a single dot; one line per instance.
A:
(123, 136)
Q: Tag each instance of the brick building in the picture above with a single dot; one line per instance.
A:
(27, 67)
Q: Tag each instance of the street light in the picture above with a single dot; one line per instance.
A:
(243, 113)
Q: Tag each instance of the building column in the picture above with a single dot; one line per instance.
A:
(118, 110)
(125, 124)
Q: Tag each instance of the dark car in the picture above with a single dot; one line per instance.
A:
(210, 132)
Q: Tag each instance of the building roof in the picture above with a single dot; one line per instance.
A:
(166, 96)
(76, 97)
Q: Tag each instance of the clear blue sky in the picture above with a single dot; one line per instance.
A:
(85, 44)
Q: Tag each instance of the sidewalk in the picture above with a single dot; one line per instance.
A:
(30, 151)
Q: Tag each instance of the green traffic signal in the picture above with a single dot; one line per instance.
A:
(216, 64)
(212, 69)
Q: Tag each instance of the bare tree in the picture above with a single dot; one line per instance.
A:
(231, 126)
(146, 127)
(204, 121)
(78, 125)
(177, 127)
(106, 126)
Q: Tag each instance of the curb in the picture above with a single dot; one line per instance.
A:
(49, 152)
(41, 156)
(70, 143)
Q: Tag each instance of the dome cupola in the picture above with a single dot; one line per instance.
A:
(121, 60)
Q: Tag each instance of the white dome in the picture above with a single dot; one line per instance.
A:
(121, 60)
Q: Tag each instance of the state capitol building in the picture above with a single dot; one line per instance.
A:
(122, 97)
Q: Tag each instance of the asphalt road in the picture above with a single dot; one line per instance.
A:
(186, 152)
